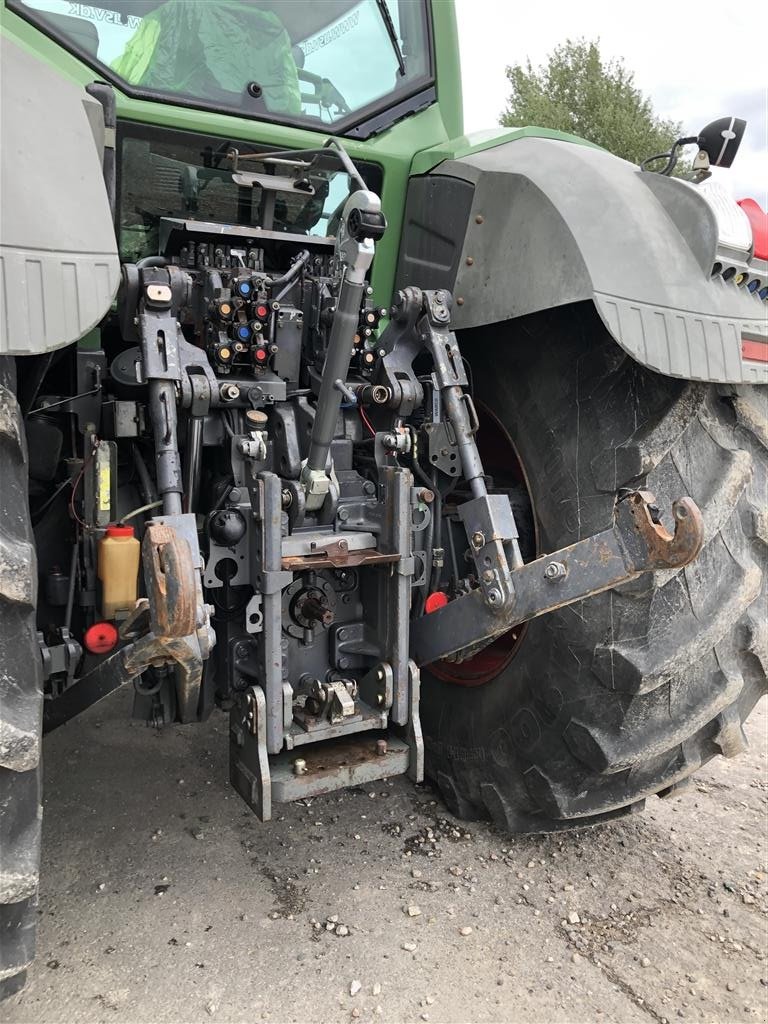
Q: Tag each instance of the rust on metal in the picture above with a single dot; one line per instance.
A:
(341, 753)
(667, 550)
(171, 581)
(332, 557)
(182, 652)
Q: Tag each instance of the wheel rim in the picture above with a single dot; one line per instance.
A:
(502, 462)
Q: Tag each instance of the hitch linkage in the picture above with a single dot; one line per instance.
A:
(508, 591)
(633, 545)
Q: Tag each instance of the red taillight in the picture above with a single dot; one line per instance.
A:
(758, 219)
(436, 600)
(100, 638)
(756, 351)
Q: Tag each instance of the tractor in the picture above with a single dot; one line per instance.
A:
(411, 451)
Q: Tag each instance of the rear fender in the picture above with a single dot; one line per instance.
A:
(59, 268)
(537, 223)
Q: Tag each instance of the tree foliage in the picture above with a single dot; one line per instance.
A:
(579, 92)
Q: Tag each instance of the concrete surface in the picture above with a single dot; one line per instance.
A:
(163, 899)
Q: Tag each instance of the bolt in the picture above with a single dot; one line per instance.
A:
(299, 766)
(241, 650)
(470, 261)
(488, 576)
(343, 662)
(426, 495)
(494, 596)
(379, 673)
(229, 392)
(460, 301)
(286, 498)
(479, 218)
(554, 571)
(478, 540)
(389, 441)
(381, 747)
(343, 514)
(379, 699)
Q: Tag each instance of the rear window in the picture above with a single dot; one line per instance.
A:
(329, 62)
(183, 175)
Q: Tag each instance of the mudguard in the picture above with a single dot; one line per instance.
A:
(59, 269)
(536, 223)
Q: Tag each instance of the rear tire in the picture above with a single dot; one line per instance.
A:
(21, 700)
(623, 696)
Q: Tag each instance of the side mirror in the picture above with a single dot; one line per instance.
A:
(721, 139)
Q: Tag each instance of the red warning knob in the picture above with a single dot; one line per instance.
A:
(100, 638)
(437, 599)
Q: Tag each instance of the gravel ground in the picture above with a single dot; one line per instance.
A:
(163, 898)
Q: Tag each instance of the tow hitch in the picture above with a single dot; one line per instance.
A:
(635, 544)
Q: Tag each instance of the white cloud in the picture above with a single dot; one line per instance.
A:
(694, 61)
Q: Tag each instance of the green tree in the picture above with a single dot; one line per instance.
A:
(579, 92)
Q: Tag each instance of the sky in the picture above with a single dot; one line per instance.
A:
(695, 62)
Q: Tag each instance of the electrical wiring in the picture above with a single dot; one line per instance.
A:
(366, 421)
(78, 480)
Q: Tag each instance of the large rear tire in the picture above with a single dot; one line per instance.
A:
(623, 696)
(20, 700)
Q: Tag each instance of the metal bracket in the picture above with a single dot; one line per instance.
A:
(248, 759)
(60, 659)
(413, 734)
(443, 452)
(377, 687)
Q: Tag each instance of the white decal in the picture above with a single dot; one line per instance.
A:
(324, 38)
(100, 14)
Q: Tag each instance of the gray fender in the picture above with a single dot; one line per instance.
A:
(59, 268)
(537, 223)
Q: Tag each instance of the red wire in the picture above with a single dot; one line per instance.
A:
(366, 421)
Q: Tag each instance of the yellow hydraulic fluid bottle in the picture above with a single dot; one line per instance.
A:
(119, 554)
